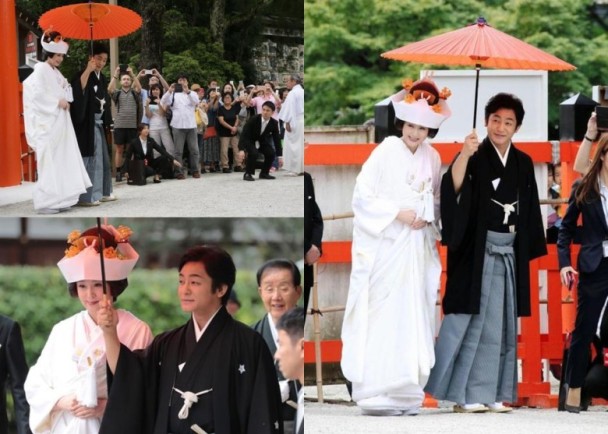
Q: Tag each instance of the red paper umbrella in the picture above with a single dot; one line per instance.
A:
(479, 45)
(91, 21)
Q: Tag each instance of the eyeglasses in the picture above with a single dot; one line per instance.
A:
(283, 289)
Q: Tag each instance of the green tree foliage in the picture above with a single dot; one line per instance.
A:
(187, 44)
(346, 77)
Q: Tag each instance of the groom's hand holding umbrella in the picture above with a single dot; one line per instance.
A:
(107, 319)
(470, 145)
(459, 169)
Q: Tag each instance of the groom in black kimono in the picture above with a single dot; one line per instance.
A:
(493, 228)
(213, 373)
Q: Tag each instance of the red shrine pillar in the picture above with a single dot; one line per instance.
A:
(10, 141)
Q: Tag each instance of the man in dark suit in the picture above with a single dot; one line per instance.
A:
(313, 232)
(279, 288)
(142, 148)
(290, 356)
(13, 368)
(259, 134)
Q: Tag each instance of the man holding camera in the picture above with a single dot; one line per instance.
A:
(183, 123)
(128, 111)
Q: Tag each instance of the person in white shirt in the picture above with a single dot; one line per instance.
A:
(183, 102)
(157, 120)
(292, 114)
(155, 78)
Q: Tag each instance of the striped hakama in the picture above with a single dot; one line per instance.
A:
(476, 355)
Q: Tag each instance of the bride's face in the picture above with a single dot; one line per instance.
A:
(90, 294)
(56, 60)
(413, 134)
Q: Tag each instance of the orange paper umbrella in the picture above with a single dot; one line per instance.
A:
(91, 21)
(481, 45)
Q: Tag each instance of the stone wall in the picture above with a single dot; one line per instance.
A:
(282, 51)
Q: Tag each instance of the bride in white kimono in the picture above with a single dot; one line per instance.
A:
(47, 95)
(66, 388)
(388, 329)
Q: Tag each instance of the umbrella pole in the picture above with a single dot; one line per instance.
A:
(477, 68)
(103, 267)
(91, 30)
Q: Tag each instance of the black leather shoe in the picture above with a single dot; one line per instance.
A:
(238, 169)
(266, 176)
(572, 408)
(119, 177)
(156, 180)
(248, 177)
(569, 408)
(226, 170)
(585, 400)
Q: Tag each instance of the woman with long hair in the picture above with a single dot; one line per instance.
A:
(156, 113)
(589, 199)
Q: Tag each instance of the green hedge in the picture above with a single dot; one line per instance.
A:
(37, 298)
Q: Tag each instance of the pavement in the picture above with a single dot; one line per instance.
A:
(212, 195)
(340, 415)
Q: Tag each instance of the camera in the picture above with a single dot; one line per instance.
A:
(602, 117)
(148, 71)
(179, 87)
(123, 68)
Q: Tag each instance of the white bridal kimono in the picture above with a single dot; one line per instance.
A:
(62, 176)
(292, 111)
(388, 328)
(73, 361)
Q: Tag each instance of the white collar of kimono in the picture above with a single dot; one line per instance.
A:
(90, 322)
(198, 332)
(273, 330)
(300, 410)
(506, 157)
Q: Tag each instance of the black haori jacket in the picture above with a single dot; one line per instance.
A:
(464, 229)
(82, 110)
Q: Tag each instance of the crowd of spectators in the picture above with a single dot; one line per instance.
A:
(198, 125)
